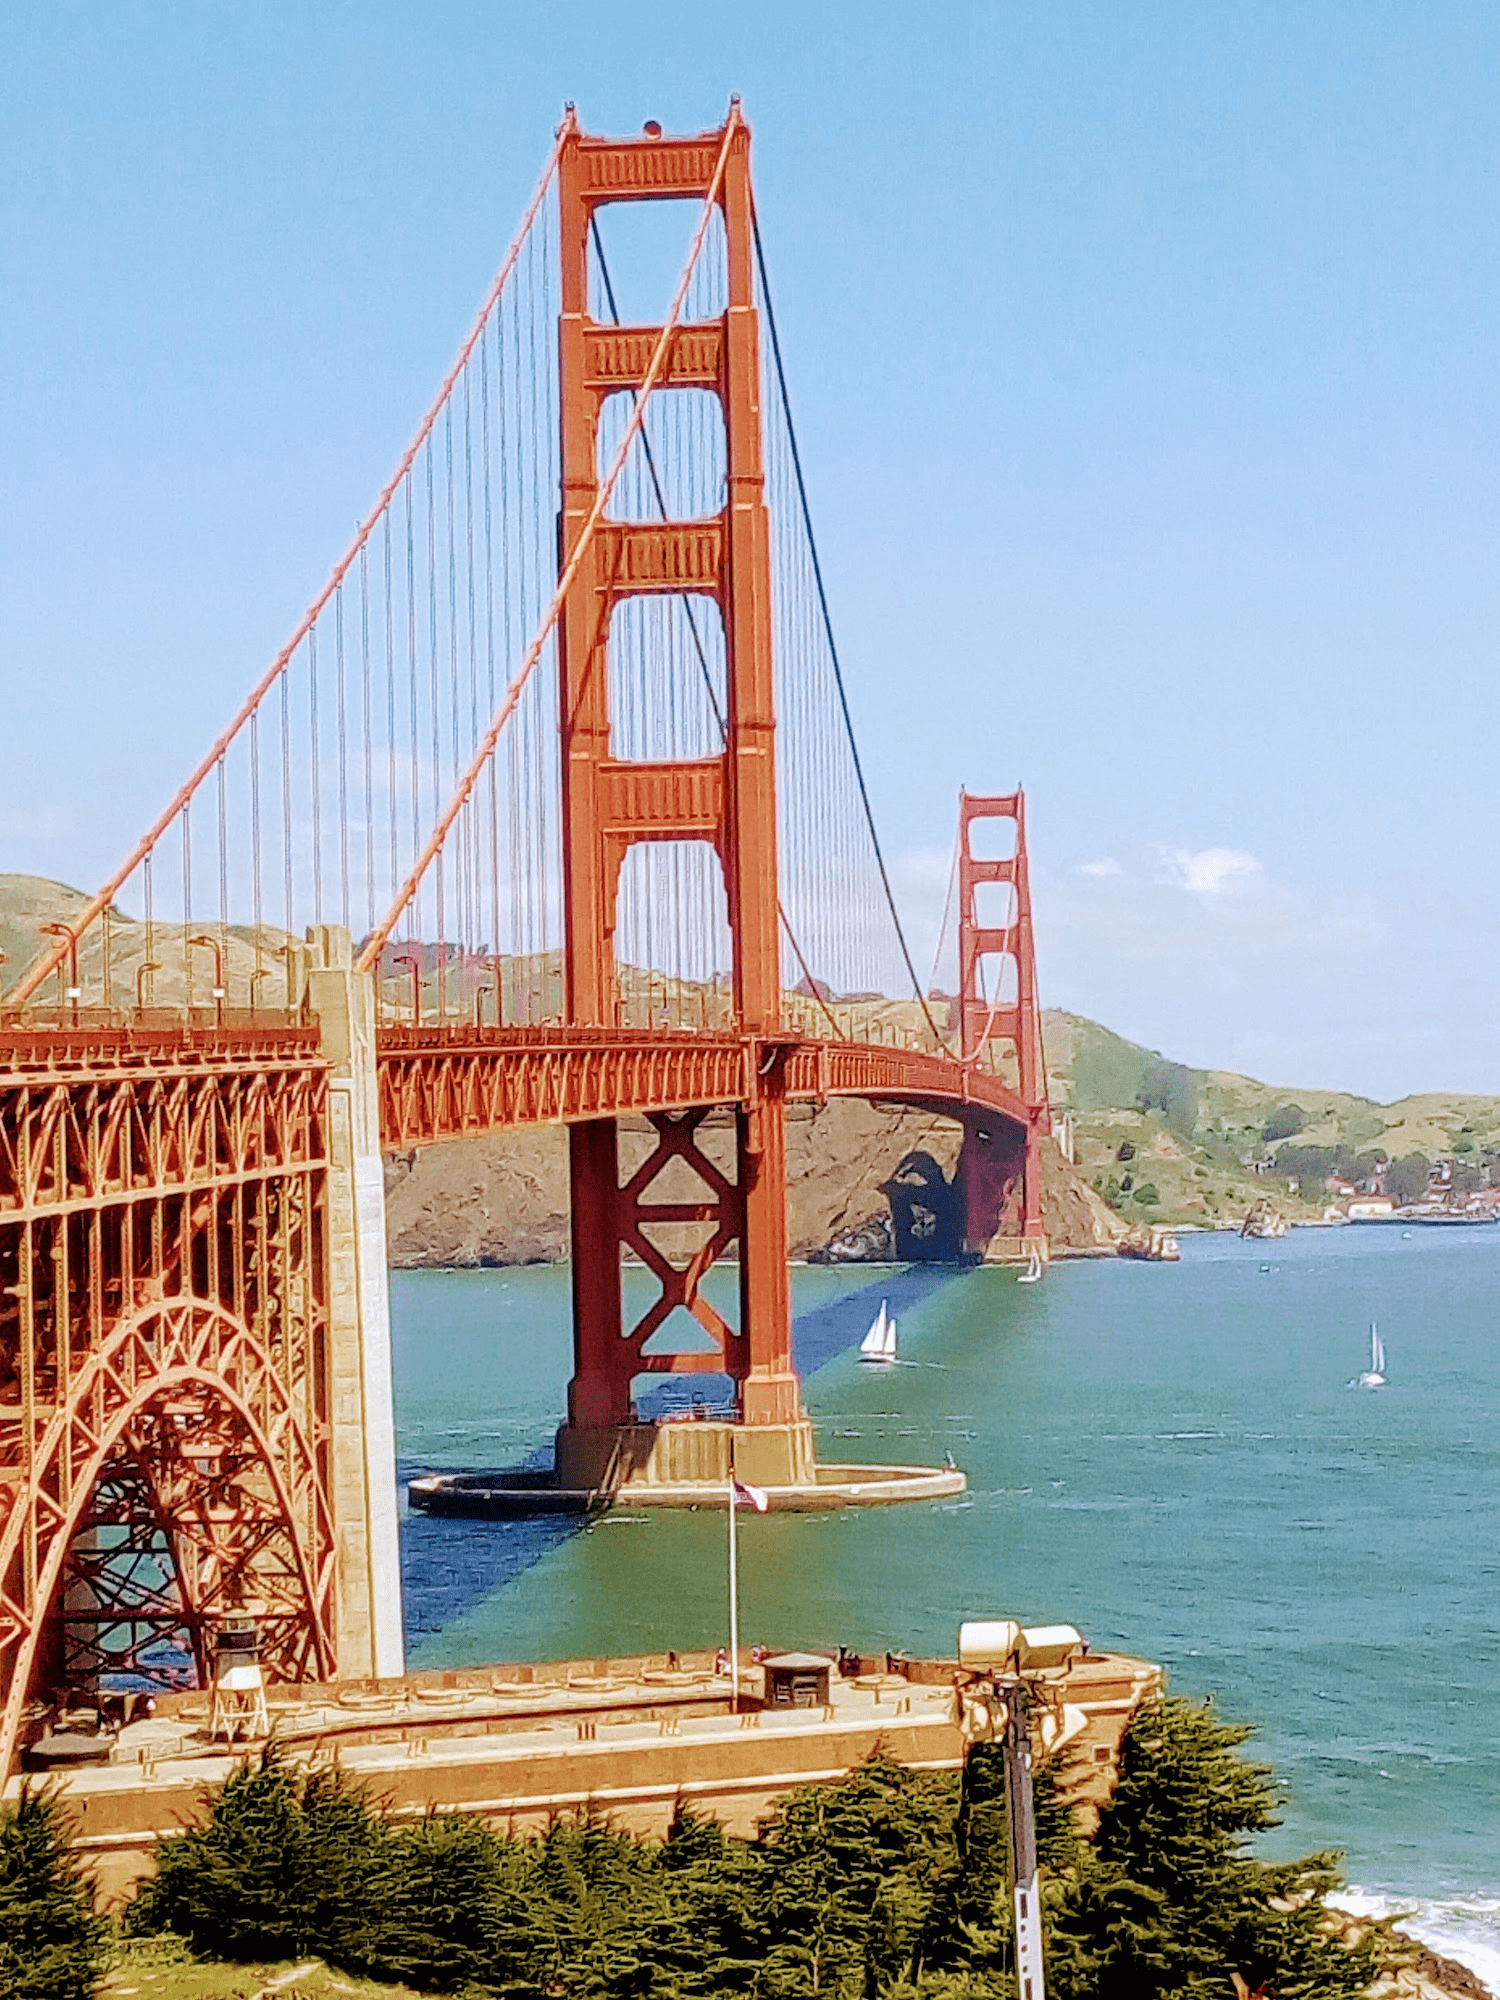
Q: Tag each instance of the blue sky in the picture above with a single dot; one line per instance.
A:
(1145, 363)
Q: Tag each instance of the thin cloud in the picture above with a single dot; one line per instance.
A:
(1210, 871)
(1102, 869)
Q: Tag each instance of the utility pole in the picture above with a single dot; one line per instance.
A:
(1004, 1663)
(1020, 1813)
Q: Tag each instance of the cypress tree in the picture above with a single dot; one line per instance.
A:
(279, 1869)
(851, 1872)
(1169, 1900)
(446, 1908)
(53, 1944)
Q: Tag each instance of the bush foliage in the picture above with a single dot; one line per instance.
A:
(889, 1885)
(53, 1946)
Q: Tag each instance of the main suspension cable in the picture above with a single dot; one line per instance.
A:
(838, 675)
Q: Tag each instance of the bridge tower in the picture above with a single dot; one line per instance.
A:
(1000, 1169)
(728, 800)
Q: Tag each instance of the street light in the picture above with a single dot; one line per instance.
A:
(1000, 1665)
(213, 945)
(142, 974)
(408, 958)
(75, 991)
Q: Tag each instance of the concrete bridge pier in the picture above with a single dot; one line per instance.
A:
(370, 1636)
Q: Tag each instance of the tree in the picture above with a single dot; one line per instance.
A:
(1171, 1089)
(850, 1874)
(1168, 1899)
(53, 1944)
(1406, 1178)
(1284, 1123)
(280, 1868)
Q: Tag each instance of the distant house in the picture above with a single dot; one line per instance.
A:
(1371, 1208)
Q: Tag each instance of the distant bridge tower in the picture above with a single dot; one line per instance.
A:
(1000, 1167)
(728, 800)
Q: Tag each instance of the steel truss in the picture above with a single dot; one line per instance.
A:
(458, 1082)
(163, 1332)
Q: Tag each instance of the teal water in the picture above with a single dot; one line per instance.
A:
(1166, 1456)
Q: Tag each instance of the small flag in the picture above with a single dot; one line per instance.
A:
(748, 1496)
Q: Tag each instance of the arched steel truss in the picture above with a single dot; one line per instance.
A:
(195, 1405)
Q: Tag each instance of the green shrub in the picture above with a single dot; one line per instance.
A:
(53, 1945)
(1146, 1193)
(1284, 1123)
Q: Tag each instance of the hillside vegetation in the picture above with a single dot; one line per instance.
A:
(1155, 1139)
(1195, 1135)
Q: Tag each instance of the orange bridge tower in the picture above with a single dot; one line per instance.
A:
(726, 800)
(999, 1168)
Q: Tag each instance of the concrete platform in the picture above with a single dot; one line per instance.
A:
(499, 1495)
(519, 1744)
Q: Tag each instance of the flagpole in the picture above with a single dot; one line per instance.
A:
(734, 1603)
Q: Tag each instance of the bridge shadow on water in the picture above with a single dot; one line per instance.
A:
(449, 1565)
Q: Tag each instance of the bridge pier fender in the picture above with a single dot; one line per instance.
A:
(369, 1630)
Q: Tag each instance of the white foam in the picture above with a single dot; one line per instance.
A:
(1463, 1928)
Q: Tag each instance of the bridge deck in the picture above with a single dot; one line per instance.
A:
(444, 1083)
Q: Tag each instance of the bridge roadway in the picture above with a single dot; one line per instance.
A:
(441, 1083)
(451, 1082)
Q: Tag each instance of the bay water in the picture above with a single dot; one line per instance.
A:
(1170, 1457)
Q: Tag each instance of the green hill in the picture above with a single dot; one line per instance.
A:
(1195, 1135)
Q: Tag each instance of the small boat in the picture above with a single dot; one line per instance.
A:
(1032, 1274)
(879, 1344)
(1373, 1377)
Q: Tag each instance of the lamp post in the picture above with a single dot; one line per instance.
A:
(75, 991)
(410, 958)
(142, 973)
(213, 945)
(1000, 1665)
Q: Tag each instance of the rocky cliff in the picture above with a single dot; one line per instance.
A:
(504, 1200)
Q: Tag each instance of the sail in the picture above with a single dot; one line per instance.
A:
(1377, 1353)
(888, 1350)
(874, 1341)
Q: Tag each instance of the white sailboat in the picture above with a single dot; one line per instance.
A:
(1033, 1272)
(879, 1344)
(1375, 1375)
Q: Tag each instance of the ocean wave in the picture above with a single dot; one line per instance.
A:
(1463, 1928)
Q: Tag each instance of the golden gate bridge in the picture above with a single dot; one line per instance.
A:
(549, 811)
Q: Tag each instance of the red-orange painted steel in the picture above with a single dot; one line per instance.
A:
(164, 1262)
(458, 1082)
(163, 1316)
(728, 801)
(989, 1167)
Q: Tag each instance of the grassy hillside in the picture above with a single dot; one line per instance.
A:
(1196, 1133)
